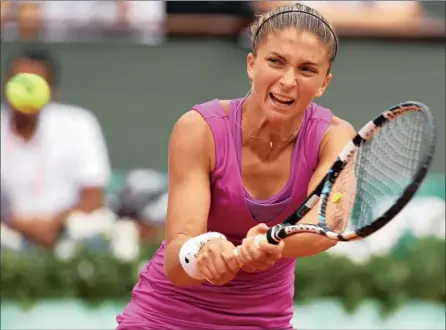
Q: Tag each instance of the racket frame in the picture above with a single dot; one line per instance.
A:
(322, 192)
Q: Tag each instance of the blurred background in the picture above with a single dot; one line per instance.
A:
(136, 66)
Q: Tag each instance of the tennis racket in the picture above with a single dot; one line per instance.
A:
(388, 158)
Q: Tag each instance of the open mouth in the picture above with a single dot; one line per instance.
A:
(280, 100)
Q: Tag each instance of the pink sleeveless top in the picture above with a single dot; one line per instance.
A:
(261, 300)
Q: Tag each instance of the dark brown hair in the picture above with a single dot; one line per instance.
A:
(300, 17)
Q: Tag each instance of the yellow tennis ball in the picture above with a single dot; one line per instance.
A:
(27, 92)
(337, 197)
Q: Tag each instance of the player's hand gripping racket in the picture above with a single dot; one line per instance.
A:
(388, 158)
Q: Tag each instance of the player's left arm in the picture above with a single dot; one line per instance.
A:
(336, 137)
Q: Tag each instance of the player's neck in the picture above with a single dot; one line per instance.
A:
(24, 126)
(259, 126)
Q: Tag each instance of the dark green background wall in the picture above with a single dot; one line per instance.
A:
(138, 92)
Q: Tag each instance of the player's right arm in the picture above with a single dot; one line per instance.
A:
(190, 148)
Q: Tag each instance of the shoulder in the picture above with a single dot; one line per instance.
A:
(192, 136)
(335, 124)
(320, 113)
(213, 108)
(338, 125)
(192, 130)
(196, 118)
(191, 122)
(225, 105)
(191, 142)
(69, 114)
(194, 124)
(337, 135)
(73, 122)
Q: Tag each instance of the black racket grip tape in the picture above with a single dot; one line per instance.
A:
(269, 237)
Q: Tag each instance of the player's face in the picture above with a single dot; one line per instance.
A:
(23, 65)
(288, 72)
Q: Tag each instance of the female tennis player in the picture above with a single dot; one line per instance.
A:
(236, 168)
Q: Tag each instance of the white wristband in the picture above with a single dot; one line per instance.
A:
(189, 253)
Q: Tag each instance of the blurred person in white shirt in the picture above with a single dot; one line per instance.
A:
(363, 14)
(147, 19)
(87, 20)
(369, 14)
(20, 19)
(53, 162)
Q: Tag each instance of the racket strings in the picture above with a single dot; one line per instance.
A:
(407, 156)
(386, 164)
(341, 199)
(402, 149)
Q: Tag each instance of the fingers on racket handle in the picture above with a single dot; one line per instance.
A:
(257, 240)
(260, 238)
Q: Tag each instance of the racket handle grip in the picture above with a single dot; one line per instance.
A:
(269, 236)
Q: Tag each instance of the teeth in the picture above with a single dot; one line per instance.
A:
(283, 99)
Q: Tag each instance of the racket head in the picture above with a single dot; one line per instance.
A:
(390, 156)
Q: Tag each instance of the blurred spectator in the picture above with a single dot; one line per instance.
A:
(141, 21)
(143, 198)
(29, 20)
(147, 20)
(371, 18)
(208, 17)
(369, 14)
(5, 12)
(21, 20)
(5, 205)
(57, 21)
(74, 20)
(52, 162)
(265, 6)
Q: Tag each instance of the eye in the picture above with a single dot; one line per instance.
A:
(275, 61)
(308, 70)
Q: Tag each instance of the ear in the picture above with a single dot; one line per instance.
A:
(324, 86)
(250, 62)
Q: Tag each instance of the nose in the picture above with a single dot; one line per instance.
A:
(288, 79)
